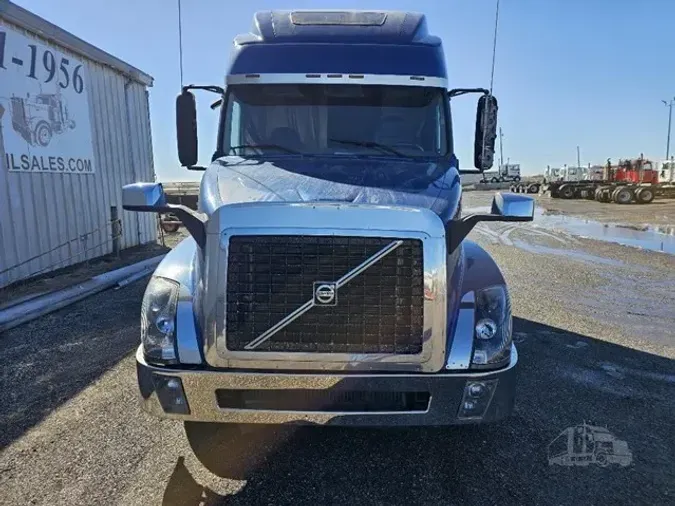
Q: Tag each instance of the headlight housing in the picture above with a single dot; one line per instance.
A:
(158, 320)
(492, 333)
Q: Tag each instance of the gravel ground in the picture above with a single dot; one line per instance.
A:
(659, 212)
(594, 333)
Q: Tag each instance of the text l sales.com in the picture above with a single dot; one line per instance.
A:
(34, 163)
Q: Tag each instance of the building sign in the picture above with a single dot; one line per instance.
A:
(44, 108)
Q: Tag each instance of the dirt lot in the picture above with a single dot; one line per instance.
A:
(595, 345)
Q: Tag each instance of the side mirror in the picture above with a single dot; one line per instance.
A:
(512, 205)
(486, 132)
(186, 128)
(150, 198)
(144, 197)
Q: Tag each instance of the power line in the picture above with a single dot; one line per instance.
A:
(180, 43)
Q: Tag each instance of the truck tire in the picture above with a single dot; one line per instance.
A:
(516, 179)
(43, 133)
(494, 180)
(234, 451)
(169, 228)
(622, 195)
(644, 195)
(566, 191)
(603, 194)
(533, 188)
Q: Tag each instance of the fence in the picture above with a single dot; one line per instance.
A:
(83, 245)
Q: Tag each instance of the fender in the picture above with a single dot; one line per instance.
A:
(480, 269)
(181, 265)
(474, 269)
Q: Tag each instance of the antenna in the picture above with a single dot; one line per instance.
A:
(494, 48)
(180, 44)
(492, 74)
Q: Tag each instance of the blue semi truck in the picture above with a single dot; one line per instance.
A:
(327, 278)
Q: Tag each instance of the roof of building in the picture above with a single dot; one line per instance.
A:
(27, 20)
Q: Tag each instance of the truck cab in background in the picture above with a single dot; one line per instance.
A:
(328, 278)
(506, 172)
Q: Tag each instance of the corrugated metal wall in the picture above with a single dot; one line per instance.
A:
(68, 215)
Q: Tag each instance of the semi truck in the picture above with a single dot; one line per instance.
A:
(629, 181)
(506, 172)
(327, 278)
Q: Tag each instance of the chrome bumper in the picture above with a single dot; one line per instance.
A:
(446, 391)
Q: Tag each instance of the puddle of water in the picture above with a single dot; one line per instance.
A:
(647, 237)
(654, 238)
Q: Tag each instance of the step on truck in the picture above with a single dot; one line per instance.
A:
(327, 278)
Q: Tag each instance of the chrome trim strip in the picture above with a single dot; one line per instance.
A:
(338, 78)
(186, 333)
(462, 342)
(469, 298)
(310, 303)
(367, 263)
(280, 325)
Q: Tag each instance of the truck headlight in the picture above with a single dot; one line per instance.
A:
(492, 338)
(158, 320)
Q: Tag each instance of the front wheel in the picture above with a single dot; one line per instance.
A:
(516, 179)
(43, 133)
(234, 450)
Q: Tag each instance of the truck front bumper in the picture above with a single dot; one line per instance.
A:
(327, 399)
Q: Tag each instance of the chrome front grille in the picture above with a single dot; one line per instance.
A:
(380, 310)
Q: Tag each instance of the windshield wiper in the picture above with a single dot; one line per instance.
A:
(267, 146)
(370, 144)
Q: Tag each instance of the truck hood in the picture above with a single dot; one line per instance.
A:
(424, 184)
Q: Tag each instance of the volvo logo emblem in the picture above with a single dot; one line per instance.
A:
(325, 293)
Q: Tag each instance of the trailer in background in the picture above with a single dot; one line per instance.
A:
(182, 193)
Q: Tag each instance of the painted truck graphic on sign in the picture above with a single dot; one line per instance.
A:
(46, 124)
(38, 118)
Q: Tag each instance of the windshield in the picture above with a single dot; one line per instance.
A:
(399, 121)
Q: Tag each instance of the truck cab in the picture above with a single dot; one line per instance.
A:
(328, 278)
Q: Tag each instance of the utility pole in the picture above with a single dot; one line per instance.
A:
(578, 158)
(669, 105)
(501, 148)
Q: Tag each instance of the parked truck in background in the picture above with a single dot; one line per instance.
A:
(506, 172)
(636, 180)
(327, 278)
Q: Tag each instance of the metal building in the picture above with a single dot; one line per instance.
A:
(74, 128)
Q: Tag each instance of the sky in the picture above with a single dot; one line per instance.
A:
(587, 73)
